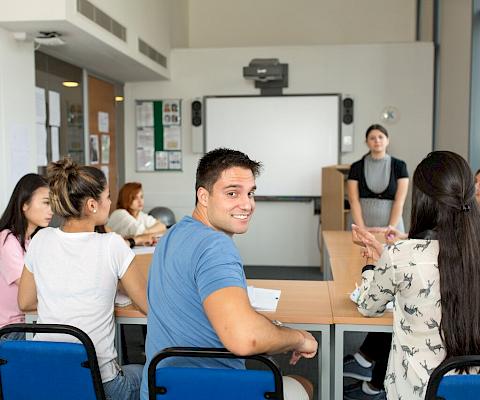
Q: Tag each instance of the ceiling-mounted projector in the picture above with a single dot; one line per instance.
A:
(49, 39)
(264, 70)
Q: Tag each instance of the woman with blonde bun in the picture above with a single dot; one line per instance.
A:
(71, 273)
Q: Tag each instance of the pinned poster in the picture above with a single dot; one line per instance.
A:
(161, 160)
(103, 126)
(53, 108)
(145, 161)
(55, 143)
(175, 160)
(41, 132)
(94, 149)
(171, 137)
(40, 106)
(105, 149)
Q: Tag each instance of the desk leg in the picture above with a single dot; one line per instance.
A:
(118, 341)
(339, 340)
(327, 268)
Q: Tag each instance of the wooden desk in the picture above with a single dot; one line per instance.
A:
(302, 305)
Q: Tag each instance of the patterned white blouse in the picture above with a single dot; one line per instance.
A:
(407, 274)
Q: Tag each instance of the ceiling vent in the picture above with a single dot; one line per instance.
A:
(102, 19)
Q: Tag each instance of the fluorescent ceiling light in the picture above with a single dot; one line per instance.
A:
(70, 84)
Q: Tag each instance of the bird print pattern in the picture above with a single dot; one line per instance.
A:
(408, 274)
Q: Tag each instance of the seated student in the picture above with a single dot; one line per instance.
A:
(433, 276)
(128, 220)
(27, 210)
(197, 289)
(71, 273)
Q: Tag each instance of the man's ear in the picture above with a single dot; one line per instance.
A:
(202, 196)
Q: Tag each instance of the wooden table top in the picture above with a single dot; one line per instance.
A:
(345, 311)
(301, 302)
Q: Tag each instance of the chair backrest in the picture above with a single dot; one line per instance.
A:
(172, 383)
(31, 369)
(164, 214)
(454, 387)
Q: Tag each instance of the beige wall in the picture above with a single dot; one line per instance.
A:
(231, 23)
(454, 78)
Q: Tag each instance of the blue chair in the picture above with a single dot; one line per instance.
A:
(172, 383)
(454, 387)
(31, 369)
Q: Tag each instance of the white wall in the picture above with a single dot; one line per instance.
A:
(231, 23)
(17, 112)
(397, 75)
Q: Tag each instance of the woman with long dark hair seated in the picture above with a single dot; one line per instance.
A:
(433, 276)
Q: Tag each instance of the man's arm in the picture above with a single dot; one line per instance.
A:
(243, 331)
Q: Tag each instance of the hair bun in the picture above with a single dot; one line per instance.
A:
(62, 169)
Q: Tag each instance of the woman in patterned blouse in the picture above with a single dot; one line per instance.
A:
(433, 276)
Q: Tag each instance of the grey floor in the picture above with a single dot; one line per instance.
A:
(308, 368)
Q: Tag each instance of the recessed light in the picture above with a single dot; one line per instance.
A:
(70, 84)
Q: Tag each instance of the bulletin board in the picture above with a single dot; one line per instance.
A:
(158, 135)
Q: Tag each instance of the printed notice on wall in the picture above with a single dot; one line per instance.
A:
(161, 160)
(171, 138)
(145, 138)
(40, 106)
(145, 160)
(175, 160)
(103, 126)
(105, 149)
(55, 143)
(53, 108)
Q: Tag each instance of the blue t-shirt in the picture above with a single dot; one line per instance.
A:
(190, 262)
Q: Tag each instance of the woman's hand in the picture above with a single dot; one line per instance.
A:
(146, 239)
(373, 248)
(393, 234)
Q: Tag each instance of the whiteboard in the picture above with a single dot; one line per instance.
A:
(292, 136)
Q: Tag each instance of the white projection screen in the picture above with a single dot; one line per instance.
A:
(294, 136)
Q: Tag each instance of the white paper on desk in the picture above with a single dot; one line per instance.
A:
(263, 299)
(144, 249)
(122, 300)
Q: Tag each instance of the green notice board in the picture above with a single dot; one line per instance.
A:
(158, 135)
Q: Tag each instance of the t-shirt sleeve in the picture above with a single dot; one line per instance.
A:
(148, 220)
(219, 267)
(12, 259)
(401, 169)
(120, 254)
(355, 172)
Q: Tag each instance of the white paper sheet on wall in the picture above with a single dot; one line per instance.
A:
(172, 137)
(53, 108)
(41, 131)
(103, 126)
(55, 142)
(40, 106)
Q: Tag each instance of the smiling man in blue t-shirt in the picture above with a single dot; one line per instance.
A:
(197, 293)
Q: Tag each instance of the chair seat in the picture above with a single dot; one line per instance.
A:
(464, 387)
(228, 383)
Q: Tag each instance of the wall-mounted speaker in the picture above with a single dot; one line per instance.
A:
(347, 124)
(197, 128)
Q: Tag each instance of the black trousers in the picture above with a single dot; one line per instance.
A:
(376, 347)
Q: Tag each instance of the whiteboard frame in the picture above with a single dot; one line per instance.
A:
(294, 198)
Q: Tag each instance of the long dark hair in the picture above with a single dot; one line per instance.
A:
(13, 217)
(443, 200)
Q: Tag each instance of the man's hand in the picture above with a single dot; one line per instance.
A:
(307, 349)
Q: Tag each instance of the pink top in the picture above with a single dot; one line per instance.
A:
(11, 266)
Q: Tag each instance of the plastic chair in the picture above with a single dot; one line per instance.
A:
(454, 387)
(164, 214)
(31, 369)
(172, 383)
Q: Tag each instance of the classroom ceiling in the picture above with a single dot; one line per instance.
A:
(86, 51)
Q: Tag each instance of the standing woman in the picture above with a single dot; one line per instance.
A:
(377, 184)
(71, 273)
(129, 220)
(433, 275)
(27, 210)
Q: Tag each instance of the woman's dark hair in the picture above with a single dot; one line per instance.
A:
(212, 164)
(376, 127)
(443, 200)
(13, 217)
(71, 185)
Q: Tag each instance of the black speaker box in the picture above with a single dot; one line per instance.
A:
(347, 110)
(196, 113)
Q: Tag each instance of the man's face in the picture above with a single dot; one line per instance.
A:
(230, 204)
